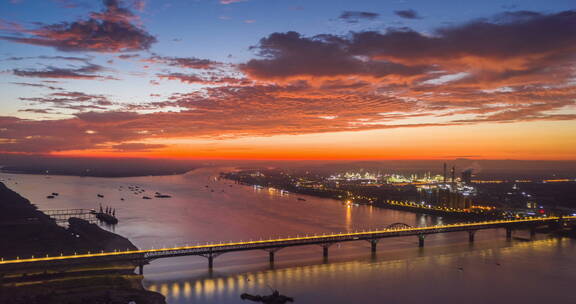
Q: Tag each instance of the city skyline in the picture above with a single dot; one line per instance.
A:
(253, 79)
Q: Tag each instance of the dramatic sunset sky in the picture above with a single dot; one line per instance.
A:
(289, 79)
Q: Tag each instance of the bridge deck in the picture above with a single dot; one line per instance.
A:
(325, 240)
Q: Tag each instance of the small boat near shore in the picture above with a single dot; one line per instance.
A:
(275, 297)
(146, 197)
(50, 196)
(100, 195)
(106, 215)
(107, 218)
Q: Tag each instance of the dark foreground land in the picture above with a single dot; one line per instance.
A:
(26, 232)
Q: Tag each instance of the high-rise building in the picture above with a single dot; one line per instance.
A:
(467, 176)
(445, 197)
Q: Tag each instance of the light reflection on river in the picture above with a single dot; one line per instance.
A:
(205, 209)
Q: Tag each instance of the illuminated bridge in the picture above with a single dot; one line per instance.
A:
(210, 251)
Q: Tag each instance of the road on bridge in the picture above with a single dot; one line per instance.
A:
(210, 251)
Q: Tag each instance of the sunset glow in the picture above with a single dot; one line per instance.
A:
(288, 80)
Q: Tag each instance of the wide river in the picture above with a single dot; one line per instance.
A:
(205, 209)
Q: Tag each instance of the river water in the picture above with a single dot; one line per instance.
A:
(206, 209)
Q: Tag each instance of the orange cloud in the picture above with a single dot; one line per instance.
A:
(110, 31)
(393, 82)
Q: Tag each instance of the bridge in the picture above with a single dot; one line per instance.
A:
(210, 251)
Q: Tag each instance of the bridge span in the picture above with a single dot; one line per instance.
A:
(210, 251)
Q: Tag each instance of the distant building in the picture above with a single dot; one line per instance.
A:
(445, 197)
(467, 176)
(451, 195)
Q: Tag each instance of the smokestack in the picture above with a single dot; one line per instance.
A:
(444, 172)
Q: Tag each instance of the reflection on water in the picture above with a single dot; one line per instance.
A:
(498, 265)
(349, 217)
(233, 285)
(204, 209)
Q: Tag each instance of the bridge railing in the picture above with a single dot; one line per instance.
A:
(289, 241)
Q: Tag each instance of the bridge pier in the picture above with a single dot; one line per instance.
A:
(271, 254)
(141, 269)
(325, 250)
(471, 234)
(421, 240)
(508, 234)
(210, 256)
(373, 244)
(532, 233)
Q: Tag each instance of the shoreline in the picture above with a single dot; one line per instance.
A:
(42, 173)
(27, 231)
(406, 208)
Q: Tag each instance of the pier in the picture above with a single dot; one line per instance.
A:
(61, 216)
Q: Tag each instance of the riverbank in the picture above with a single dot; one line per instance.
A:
(26, 232)
(97, 173)
(468, 216)
(341, 195)
(95, 167)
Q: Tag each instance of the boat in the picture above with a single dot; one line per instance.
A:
(50, 196)
(100, 195)
(301, 199)
(146, 197)
(107, 218)
(275, 297)
(162, 195)
(55, 193)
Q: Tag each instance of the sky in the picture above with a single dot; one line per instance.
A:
(288, 79)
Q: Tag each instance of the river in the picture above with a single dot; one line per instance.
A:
(204, 208)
